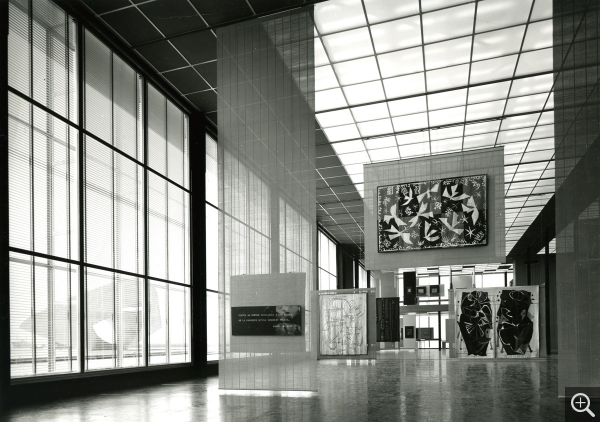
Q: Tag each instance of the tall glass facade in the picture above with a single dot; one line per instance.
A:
(99, 205)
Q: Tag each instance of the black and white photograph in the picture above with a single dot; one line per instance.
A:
(312, 210)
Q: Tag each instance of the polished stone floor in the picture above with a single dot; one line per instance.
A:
(399, 385)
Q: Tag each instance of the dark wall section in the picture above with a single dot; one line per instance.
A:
(577, 116)
(345, 267)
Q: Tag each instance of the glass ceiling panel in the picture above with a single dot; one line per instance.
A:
(411, 60)
(385, 154)
(410, 122)
(348, 45)
(448, 23)
(404, 85)
(364, 93)
(447, 53)
(498, 43)
(398, 34)
(493, 69)
(357, 71)
(385, 142)
(447, 99)
(325, 78)
(494, 14)
(451, 77)
(339, 15)
(326, 100)
(535, 62)
(370, 112)
(385, 10)
(407, 106)
(375, 127)
(427, 91)
(335, 118)
(488, 92)
(539, 35)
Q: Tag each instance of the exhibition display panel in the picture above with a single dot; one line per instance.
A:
(500, 322)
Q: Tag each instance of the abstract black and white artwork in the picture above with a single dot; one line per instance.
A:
(388, 319)
(442, 213)
(422, 291)
(515, 326)
(476, 322)
(434, 290)
(409, 332)
(343, 324)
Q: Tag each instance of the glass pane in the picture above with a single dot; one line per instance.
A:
(44, 316)
(212, 326)
(115, 320)
(212, 171)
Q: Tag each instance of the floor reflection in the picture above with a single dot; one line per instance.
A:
(399, 385)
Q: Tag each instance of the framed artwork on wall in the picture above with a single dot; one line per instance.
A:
(409, 332)
(441, 213)
(422, 291)
(434, 290)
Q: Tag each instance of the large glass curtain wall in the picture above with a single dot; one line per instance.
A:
(99, 205)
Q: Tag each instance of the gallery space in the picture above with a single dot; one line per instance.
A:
(299, 210)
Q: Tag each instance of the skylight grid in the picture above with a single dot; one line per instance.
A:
(422, 77)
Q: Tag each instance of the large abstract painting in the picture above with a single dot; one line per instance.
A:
(515, 326)
(442, 213)
(498, 322)
(475, 322)
(343, 324)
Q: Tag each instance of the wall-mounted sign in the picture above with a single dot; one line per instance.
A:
(409, 332)
(434, 290)
(422, 291)
(282, 320)
(441, 213)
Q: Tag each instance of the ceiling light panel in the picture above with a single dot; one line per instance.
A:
(484, 127)
(498, 43)
(539, 35)
(493, 69)
(485, 110)
(448, 23)
(341, 133)
(537, 61)
(410, 122)
(325, 78)
(364, 93)
(542, 9)
(401, 62)
(403, 86)
(430, 5)
(448, 99)
(494, 14)
(348, 147)
(488, 92)
(407, 106)
(517, 122)
(327, 100)
(485, 140)
(447, 53)
(335, 118)
(413, 138)
(339, 15)
(378, 143)
(397, 35)
(532, 85)
(446, 133)
(348, 45)
(370, 112)
(526, 104)
(375, 127)
(450, 77)
(447, 145)
(357, 71)
(355, 158)
(320, 54)
(385, 10)
(384, 154)
(414, 150)
(447, 116)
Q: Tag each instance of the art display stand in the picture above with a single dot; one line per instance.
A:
(345, 329)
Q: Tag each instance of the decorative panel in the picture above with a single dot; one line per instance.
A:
(266, 195)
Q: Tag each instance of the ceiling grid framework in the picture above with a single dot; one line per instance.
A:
(397, 80)
(394, 80)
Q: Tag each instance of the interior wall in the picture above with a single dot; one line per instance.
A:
(576, 102)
